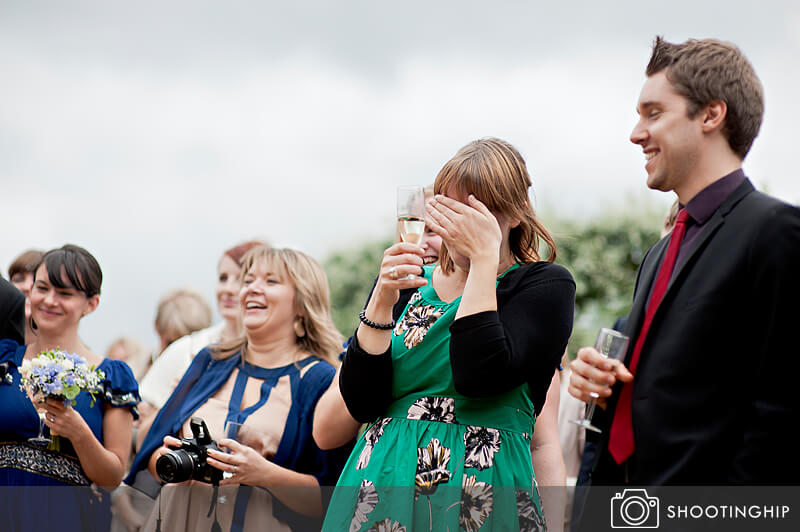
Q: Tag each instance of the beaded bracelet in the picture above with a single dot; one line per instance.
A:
(369, 323)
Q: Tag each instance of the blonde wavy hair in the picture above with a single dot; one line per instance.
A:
(181, 312)
(494, 172)
(311, 300)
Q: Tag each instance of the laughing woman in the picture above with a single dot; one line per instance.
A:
(268, 383)
(94, 436)
(453, 388)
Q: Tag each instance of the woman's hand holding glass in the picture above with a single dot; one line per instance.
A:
(399, 261)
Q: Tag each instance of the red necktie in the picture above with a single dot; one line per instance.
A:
(620, 443)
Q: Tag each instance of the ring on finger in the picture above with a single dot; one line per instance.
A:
(393, 272)
(235, 469)
(52, 418)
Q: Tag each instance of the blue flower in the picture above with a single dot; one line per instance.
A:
(51, 370)
(76, 359)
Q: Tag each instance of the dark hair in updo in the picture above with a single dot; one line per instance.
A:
(80, 267)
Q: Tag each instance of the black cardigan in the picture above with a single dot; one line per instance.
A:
(491, 352)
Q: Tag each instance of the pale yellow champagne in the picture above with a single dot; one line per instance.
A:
(411, 229)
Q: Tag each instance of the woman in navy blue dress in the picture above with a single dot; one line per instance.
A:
(63, 488)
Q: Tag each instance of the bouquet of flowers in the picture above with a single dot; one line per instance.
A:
(60, 375)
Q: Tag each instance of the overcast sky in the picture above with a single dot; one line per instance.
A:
(157, 134)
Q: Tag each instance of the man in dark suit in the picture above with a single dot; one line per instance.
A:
(12, 312)
(706, 393)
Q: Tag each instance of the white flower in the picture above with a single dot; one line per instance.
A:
(62, 368)
(480, 446)
(476, 503)
(442, 409)
(367, 500)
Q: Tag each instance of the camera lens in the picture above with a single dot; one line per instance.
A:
(175, 466)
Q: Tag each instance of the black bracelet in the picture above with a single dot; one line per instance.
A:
(372, 324)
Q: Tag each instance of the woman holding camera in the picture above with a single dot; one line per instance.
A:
(93, 435)
(267, 385)
(451, 366)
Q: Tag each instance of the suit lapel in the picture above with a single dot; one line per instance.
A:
(711, 227)
(651, 264)
(643, 288)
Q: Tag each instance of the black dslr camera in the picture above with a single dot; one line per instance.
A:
(189, 462)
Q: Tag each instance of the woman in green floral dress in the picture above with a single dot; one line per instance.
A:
(450, 368)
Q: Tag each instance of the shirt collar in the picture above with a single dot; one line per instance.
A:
(707, 201)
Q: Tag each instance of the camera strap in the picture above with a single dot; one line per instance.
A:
(158, 521)
(215, 527)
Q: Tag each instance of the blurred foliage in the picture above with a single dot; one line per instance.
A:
(351, 274)
(602, 254)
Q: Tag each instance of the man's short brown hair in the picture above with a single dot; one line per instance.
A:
(706, 70)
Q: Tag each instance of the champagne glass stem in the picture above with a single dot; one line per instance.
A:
(590, 410)
(41, 439)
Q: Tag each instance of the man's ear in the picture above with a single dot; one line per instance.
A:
(714, 115)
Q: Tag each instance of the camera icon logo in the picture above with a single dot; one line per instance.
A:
(634, 508)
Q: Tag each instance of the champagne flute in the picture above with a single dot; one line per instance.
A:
(613, 345)
(41, 439)
(411, 215)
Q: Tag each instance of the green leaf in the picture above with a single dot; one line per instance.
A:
(71, 392)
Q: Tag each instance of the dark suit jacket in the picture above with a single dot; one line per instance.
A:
(12, 312)
(715, 392)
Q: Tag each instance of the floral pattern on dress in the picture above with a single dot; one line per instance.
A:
(432, 462)
(476, 503)
(442, 409)
(480, 445)
(387, 525)
(530, 517)
(416, 323)
(367, 501)
(371, 438)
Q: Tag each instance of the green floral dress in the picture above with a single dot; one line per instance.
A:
(438, 460)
